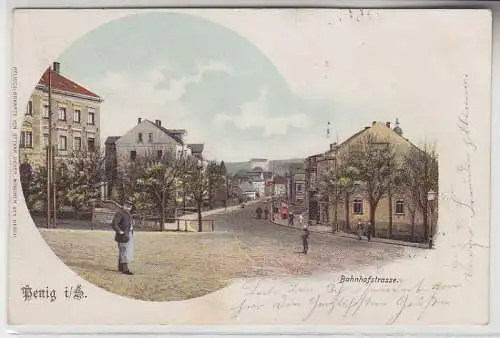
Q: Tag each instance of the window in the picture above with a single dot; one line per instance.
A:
(91, 118)
(159, 154)
(400, 207)
(26, 139)
(45, 140)
(150, 137)
(45, 111)
(62, 143)
(77, 143)
(133, 155)
(29, 108)
(357, 206)
(91, 144)
(139, 137)
(77, 116)
(62, 113)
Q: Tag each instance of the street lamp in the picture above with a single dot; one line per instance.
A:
(431, 196)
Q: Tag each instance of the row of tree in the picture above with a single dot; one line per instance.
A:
(156, 183)
(153, 184)
(374, 167)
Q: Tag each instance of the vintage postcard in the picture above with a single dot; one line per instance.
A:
(250, 167)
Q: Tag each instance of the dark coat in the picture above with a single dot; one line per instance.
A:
(305, 234)
(122, 221)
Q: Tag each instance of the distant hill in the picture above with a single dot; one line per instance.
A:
(278, 167)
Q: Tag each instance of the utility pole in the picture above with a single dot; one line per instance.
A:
(51, 163)
(335, 163)
(49, 155)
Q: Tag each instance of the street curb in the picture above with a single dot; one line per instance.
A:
(354, 237)
(218, 211)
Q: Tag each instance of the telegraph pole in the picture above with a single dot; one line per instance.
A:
(336, 175)
(49, 155)
(51, 158)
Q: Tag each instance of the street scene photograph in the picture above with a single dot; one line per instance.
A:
(164, 156)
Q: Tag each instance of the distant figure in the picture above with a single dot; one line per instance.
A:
(266, 213)
(301, 219)
(360, 229)
(259, 212)
(305, 236)
(290, 218)
(368, 230)
(123, 226)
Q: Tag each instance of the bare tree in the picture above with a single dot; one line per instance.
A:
(338, 183)
(420, 176)
(151, 181)
(215, 182)
(223, 173)
(374, 161)
(200, 182)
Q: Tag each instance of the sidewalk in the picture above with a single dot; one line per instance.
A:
(192, 219)
(312, 228)
(328, 230)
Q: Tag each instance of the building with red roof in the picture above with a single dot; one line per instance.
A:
(75, 112)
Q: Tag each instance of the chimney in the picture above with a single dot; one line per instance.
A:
(139, 120)
(388, 124)
(333, 145)
(56, 67)
(158, 123)
(373, 123)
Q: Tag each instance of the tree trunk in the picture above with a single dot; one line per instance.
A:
(373, 208)
(347, 218)
(200, 223)
(336, 216)
(162, 224)
(412, 214)
(425, 215)
(390, 211)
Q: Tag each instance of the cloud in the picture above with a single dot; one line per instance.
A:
(149, 95)
(177, 86)
(256, 114)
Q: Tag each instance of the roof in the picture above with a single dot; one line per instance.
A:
(196, 147)
(62, 83)
(247, 187)
(166, 131)
(112, 139)
(297, 166)
(380, 126)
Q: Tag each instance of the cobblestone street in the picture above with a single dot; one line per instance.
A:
(174, 266)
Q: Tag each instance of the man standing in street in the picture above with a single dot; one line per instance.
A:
(305, 237)
(124, 230)
(369, 230)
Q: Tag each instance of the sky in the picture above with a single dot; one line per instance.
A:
(266, 83)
